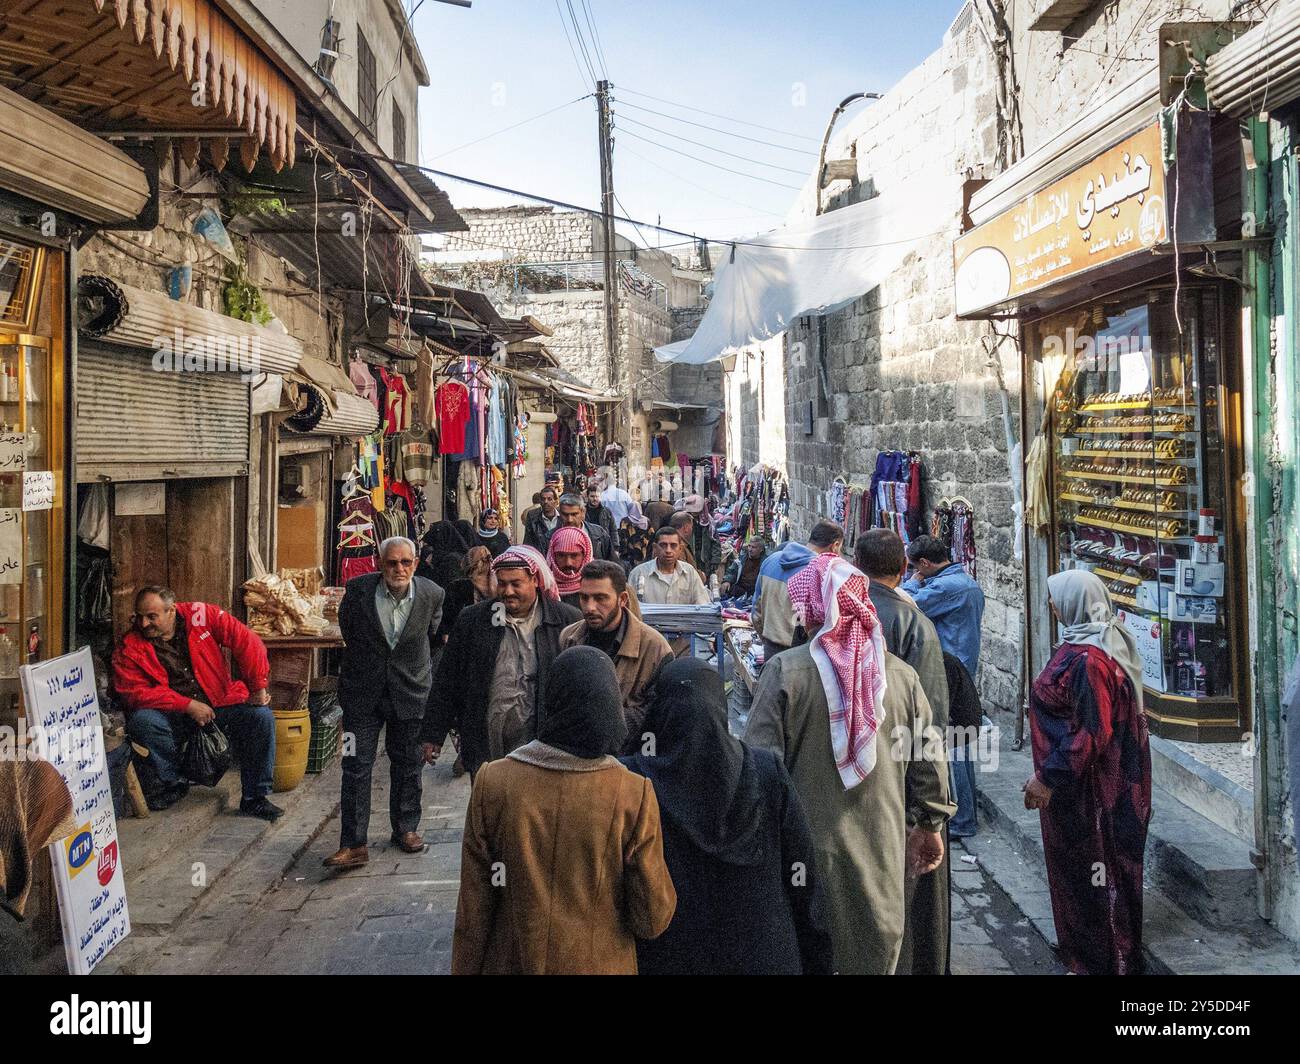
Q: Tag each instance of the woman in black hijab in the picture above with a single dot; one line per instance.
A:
(442, 552)
(736, 842)
(577, 834)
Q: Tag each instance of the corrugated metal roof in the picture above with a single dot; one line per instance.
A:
(446, 219)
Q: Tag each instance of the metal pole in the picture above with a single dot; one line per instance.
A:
(607, 228)
(821, 160)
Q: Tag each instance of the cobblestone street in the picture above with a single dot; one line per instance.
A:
(396, 915)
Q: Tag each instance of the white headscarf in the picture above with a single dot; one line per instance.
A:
(1089, 617)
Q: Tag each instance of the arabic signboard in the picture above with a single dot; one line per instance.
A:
(61, 703)
(38, 490)
(1113, 207)
(13, 452)
(11, 545)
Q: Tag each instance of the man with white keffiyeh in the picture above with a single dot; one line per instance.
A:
(855, 730)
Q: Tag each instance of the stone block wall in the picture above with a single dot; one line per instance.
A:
(527, 234)
(903, 373)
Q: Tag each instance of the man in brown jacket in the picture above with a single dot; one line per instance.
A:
(608, 624)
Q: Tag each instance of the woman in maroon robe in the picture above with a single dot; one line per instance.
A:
(1092, 780)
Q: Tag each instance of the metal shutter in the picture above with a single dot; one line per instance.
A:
(133, 422)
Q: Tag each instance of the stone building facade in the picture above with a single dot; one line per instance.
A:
(548, 263)
(903, 373)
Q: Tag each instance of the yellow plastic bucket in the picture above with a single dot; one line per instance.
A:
(292, 740)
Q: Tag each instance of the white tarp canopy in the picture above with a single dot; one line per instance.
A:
(814, 266)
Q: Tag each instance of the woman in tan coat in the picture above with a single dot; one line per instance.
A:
(562, 866)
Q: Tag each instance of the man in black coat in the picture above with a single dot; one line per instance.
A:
(388, 620)
(598, 513)
(491, 682)
(540, 523)
(573, 511)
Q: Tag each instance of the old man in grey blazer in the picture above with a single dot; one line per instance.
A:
(388, 620)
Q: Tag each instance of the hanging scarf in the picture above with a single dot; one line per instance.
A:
(568, 538)
(849, 650)
(532, 560)
(1088, 616)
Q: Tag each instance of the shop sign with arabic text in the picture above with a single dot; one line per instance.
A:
(1110, 208)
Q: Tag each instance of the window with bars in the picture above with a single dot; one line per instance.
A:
(367, 102)
(399, 134)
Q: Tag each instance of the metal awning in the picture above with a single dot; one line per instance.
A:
(1260, 71)
(180, 334)
(664, 404)
(132, 67)
(446, 219)
(51, 161)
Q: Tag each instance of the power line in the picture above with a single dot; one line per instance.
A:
(694, 184)
(595, 37)
(572, 51)
(720, 151)
(507, 129)
(725, 118)
(565, 205)
(582, 42)
(644, 242)
(714, 129)
(716, 166)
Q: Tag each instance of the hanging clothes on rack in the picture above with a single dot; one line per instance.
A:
(452, 402)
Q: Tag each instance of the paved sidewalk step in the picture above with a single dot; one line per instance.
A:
(1207, 921)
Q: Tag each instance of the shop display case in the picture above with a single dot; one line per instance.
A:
(32, 555)
(1143, 434)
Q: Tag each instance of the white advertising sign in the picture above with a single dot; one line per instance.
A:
(61, 702)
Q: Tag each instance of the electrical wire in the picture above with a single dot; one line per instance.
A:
(644, 242)
(725, 118)
(694, 184)
(595, 37)
(690, 238)
(720, 151)
(706, 162)
(573, 51)
(507, 129)
(582, 41)
(715, 129)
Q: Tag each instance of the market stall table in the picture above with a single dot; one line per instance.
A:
(693, 621)
(292, 659)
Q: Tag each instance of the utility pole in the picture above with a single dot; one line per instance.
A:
(607, 227)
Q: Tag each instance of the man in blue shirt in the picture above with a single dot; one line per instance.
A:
(945, 593)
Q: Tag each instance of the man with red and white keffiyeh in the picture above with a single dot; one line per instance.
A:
(855, 730)
(567, 552)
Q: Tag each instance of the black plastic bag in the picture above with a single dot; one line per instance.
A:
(207, 756)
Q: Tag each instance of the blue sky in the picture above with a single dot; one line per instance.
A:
(783, 65)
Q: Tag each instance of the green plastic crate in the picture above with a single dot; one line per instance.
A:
(324, 745)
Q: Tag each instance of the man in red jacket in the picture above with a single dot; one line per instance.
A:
(171, 674)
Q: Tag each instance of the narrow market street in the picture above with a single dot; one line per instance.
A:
(395, 916)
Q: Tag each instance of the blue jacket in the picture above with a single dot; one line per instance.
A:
(955, 603)
(772, 613)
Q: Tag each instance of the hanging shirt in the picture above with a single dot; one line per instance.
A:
(396, 417)
(496, 427)
(452, 401)
(363, 381)
(417, 456)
